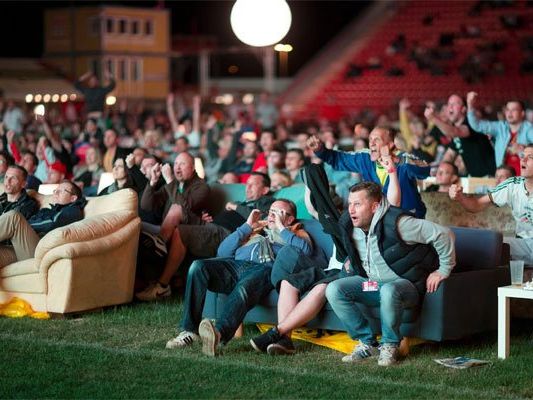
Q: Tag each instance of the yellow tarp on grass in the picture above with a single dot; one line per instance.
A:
(336, 340)
(17, 308)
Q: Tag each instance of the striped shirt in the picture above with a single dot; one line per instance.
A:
(513, 193)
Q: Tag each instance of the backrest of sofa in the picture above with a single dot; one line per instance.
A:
(322, 241)
(296, 193)
(125, 199)
(477, 248)
(444, 211)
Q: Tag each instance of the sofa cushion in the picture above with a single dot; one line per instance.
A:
(125, 199)
(27, 283)
(23, 267)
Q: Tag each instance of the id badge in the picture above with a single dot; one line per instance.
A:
(370, 286)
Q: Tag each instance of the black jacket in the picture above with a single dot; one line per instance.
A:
(25, 204)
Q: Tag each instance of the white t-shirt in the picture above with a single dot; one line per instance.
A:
(514, 194)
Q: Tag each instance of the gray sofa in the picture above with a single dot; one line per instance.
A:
(464, 304)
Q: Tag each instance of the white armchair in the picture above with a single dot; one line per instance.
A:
(82, 266)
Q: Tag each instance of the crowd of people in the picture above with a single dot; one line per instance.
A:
(386, 253)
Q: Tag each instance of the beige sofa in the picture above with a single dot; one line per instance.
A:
(85, 265)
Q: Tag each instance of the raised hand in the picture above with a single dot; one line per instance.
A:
(166, 171)
(253, 218)
(385, 159)
(155, 174)
(455, 192)
(471, 99)
(130, 160)
(404, 104)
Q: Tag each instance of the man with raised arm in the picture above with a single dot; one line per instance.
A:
(517, 193)
(510, 135)
(369, 165)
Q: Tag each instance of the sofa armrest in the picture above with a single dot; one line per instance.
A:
(85, 230)
(87, 248)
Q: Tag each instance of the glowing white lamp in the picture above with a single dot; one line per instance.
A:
(260, 22)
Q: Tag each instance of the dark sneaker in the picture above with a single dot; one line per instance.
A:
(261, 342)
(210, 338)
(284, 346)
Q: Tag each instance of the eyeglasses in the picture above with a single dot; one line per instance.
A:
(278, 211)
(58, 190)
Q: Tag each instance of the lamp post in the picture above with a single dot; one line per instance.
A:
(283, 51)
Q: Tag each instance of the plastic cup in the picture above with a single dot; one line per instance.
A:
(517, 272)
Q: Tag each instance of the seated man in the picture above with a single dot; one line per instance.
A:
(203, 240)
(299, 274)
(15, 196)
(243, 274)
(516, 193)
(393, 260)
(503, 173)
(447, 175)
(67, 207)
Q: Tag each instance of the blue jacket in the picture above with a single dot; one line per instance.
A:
(361, 163)
(232, 245)
(501, 132)
(57, 215)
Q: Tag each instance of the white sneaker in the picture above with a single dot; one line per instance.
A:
(388, 355)
(153, 292)
(185, 338)
(362, 351)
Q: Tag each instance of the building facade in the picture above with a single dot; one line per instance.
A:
(132, 43)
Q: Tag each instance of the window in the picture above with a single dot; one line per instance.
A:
(135, 27)
(123, 26)
(96, 68)
(136, 66)
(110, 66)
(94, 26)
(122, 72)
(148, 27)
(110, 25)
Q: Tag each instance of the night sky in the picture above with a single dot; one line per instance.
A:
(314, 23)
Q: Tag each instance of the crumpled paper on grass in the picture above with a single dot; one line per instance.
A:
(18, 308)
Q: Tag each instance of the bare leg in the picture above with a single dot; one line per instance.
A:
(305, 310)
(288, 299)
(172, 219)
(176, 255)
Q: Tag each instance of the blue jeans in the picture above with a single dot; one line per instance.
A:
(245, 283)
(392, 297)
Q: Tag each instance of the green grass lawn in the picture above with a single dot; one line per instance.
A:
(120, 353)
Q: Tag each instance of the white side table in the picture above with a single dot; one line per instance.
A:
(504, 294)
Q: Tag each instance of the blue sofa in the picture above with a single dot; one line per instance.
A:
(464, 304)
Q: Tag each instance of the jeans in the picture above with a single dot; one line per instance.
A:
(245, 283)
(392, 298)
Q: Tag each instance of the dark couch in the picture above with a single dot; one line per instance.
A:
(464, 304)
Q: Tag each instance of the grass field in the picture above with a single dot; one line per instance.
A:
(120, 353)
